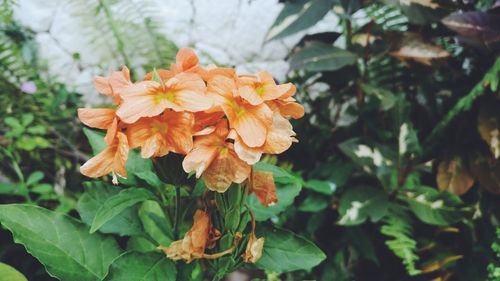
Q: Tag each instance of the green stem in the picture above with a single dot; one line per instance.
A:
(177, 212)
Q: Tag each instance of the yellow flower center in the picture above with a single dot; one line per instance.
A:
(224, 151)
(259, 90)
(160, 96)
(238, 109)
(159, 127)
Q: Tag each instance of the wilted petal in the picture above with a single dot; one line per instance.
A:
(264, 188)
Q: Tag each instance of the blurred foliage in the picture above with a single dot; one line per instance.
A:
(402, 105)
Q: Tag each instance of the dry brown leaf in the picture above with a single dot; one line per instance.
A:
(453, 177)
(425, 3)
(412, 47)
(489, 129)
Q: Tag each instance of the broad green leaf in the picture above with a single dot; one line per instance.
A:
(150, 177)
(373, 158)
(286, 195)
(297, 16)
(360, 203)
(280, 175)
(96, 193)
(155, 223)
(116, 204)
(285, 251)
(386, 97)
(141, 244)
(434, 207)
(325, 187)
(8, 273)
(134, 266)
(62, 244)
(313, 203)
(321, 57)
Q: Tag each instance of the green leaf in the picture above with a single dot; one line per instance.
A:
(27, 118)
(116, 204)
(34, 178)
(8, 273)
(360, 203)
(155, 223)
(150, 177)
(317, 56)
(134, 266)
(96, 193)
(156, 77)
(313, 203)
(280, 175)
(62, 244)
(325, 187)
(286, 195)
(96, 140)
(12, 122)
(285, 251)
(437, 208)
(37, 130)
(140, 244)
(43, 188)
(297, 16)
(386, 97)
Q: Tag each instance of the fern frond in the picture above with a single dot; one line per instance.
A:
(126, 29)
(388, 17)
(397, 226)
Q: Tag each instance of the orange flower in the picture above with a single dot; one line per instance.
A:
(216, 159)
(250, 122)
(262, 184)
(193, 245)
(110, 160)
(261, 87)
(183, 92)
(205, 122)
(212, 70)
(287, 107)
(185, 61)
(100, 118)
(113, 84)
(159, 135)
(279, 138)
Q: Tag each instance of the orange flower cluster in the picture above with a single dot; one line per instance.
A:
(221, 121)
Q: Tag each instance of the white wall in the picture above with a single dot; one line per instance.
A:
(230, 31)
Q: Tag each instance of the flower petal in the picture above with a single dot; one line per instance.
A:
(280, 136)
(253, 124)
(100, 118)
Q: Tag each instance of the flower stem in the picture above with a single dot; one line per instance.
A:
(177, 212)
